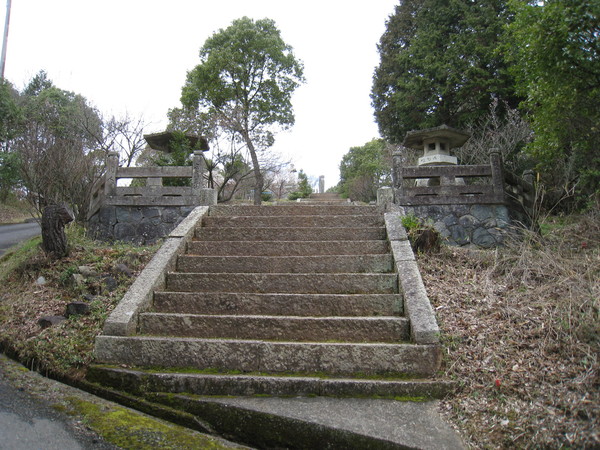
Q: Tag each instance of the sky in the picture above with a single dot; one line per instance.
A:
(132, 56)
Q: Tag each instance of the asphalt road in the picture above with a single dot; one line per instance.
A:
(13, 234)
(26, 423)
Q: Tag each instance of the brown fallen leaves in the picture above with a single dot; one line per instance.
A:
(521, 332)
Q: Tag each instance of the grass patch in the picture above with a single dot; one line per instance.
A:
(64, 349)
(521, 330)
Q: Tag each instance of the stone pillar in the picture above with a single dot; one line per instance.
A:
(497, 174)
(385, 197)
(198, 169)
(110, 183)
(397, 180)
(322, 184)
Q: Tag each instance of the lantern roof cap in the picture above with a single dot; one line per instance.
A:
(414, 139)
(163, 141)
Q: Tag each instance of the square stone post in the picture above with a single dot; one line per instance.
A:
(198, 169)
(397, 180)
(497, 174)
(110, 180)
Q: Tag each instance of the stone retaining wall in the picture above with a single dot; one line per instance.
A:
(139, 225)
(467, 225)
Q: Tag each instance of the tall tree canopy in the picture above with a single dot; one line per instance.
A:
(365, 169)
(245, 79)
(55, 144)
(439, 65)
(554, 50)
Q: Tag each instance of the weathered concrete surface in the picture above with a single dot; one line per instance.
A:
(132, 381)
(325, 422)
(291, 234)
(279, 304)
(339, 283)
(288, 248)
(424, 328)
(290, 210)
(286, 264)
(261, 356)
(123, 320)
(280, 328)
(294, 221)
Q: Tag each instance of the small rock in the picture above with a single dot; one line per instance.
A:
(77, 280)
(122, 268)
(77, 309)
(89, 297)
(87, 271)
(110, 284)
(48, 321)
(40, 281)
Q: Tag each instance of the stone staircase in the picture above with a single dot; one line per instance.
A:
(299, 300)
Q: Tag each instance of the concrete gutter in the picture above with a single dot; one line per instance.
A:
(123, 320)
(423, 326)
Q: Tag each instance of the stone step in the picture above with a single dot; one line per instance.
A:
(278, 304)
(288, 248)
(296, 209)
(276, 328)
(140, 382)
(339, 283)
(290, 234)
(294, 221)
(268, 356)
(286, 264)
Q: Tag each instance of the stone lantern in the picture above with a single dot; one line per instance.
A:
(436, 144)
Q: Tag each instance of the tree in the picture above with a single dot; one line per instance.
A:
(365, 169)
(304, 188)
(56, 147)
(245, 80)
(554, 49)
(439, 65)
(10, 123)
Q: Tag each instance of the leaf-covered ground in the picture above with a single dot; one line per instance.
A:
(521, 332)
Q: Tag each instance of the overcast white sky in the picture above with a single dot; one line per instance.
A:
(133, 55)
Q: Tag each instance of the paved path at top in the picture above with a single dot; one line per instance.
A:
(13, 234)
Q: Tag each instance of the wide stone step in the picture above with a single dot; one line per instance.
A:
(142, 382)
(268, 356)
(278, 328)
(290, 234)
(296, 209)
(288, 248)
(339, 283)
(294, 221)
(286, 264)
(279, 304)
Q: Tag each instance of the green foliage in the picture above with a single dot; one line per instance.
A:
(554, 49)
(10, 175)
(365, 169)
(439, 65)
(179, 156)
(304, 188)
(245, 81)
(411, 222)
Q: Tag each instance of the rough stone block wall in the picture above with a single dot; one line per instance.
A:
(467, 225)
(140, 225)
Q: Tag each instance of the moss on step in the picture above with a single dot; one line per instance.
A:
(127, 429)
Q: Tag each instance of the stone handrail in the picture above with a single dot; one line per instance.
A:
(449, 192)
(106, 192)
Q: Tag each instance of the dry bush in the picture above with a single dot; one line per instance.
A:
(521, 330)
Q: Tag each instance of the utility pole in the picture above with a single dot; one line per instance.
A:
(6, 22)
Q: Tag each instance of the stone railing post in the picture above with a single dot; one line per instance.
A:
(322, 184)
(112, 164)
(497, 174)
(397, 180)
(198, 169)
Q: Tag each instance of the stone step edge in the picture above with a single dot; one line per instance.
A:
(252, 384)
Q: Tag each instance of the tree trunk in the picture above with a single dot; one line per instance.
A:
(54, 239)
(258, 177)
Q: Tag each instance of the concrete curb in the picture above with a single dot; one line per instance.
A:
(123, 320)
(423, 326)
